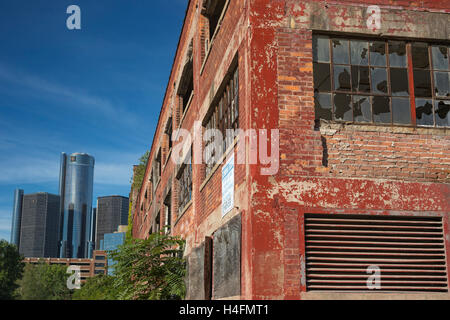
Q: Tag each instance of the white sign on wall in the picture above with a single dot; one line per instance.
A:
(228, 186)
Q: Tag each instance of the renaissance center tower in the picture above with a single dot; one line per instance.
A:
(76, 190)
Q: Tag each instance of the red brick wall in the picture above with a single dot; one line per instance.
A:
(334, 169)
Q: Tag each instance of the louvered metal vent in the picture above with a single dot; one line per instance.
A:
(409, 251)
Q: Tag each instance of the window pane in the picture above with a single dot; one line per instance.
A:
(322, 78)
(342, 78)
(424, 112)
(442, 113)
(440, 57)
(362, 109)
(343, 107)
(378, 53)
(399, 82)
(381, 110)
(442, 84)
(401, 110)
(360, 79)
(422, 83)
(397, 54)
(323, 106)
(321, 49)
(341, 51)
(360, 52)
(420, 56)
(379, 80)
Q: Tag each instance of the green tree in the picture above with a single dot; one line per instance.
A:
(44, 282)
(139, 173)
(11, 269)
(150, 269)
(100, 287)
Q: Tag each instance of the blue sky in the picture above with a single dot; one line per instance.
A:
(96, 90)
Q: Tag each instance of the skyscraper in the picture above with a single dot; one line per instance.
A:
(76, 187)
(17, 217)
(39, 225)
(112, 211)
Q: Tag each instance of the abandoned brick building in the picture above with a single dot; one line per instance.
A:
(360, 94)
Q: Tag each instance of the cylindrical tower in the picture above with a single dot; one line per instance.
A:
(17, 217)
(76, 186)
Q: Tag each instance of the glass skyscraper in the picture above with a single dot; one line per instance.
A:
(76, 188)
(17, 217)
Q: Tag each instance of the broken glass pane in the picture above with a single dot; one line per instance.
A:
(362, 109)
(442, 113)
(321, 49)
(379, 80)
(401, 110)
(399, 82)
(424, 112)
(381, 110)
(422, 83)
(323, 106)
(341, 51)
(420, 56)
(440, 57)
(360, 79)
(378, 54)
(397, 54)
(342, 78)
(442, 84)
(360, 52)
(322, 78)
(343, 107)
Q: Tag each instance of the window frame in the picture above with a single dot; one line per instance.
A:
(388, 68)
(223, 115)
(183, 190)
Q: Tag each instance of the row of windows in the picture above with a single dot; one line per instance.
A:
(224, 114)
(385, 81)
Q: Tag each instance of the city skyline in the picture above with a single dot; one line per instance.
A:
(94, 90)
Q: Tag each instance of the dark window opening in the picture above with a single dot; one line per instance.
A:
(212, 9)
(168, 213)
(168, 131)
(186, 87)
(156, 170)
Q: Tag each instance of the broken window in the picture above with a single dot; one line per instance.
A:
(186, 86)
(168, 132)
(369, 81)
(213, 10)
(168, 212)
(184, 178)
(156, 170)
(224, 115)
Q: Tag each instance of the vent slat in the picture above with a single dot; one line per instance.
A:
(372, 226)
(385, 254)
(410, 252)
(334, 271)
(374, 221)
(372, 237)
(390, 277)
(359, 231)
(377, 248)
